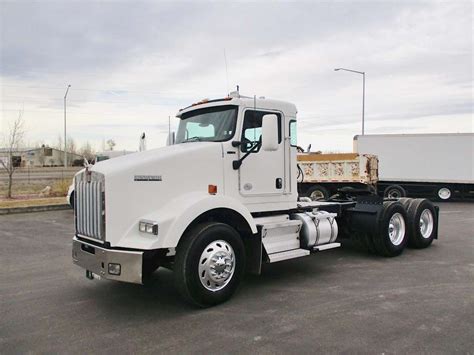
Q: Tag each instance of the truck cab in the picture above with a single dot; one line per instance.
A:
(220, 201)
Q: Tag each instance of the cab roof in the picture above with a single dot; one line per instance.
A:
(235, 98)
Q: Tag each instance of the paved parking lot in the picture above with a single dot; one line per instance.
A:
(337, 301)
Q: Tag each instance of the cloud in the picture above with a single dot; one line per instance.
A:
(135, 64)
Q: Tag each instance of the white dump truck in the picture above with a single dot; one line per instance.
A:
(323, 175)
(221, 201)
(437, 165)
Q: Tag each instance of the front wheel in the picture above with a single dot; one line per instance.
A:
(209, 264)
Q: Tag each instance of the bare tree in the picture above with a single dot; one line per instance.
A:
(11, 141)
(111, 144)
(71, 146)
(87, 152)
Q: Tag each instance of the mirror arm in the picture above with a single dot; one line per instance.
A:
(236, 143)
(237, 163)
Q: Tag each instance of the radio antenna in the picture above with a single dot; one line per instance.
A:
(226, 73)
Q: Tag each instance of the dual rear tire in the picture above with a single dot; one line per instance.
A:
(406, 222)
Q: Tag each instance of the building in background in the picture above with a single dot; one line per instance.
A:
(40, 157)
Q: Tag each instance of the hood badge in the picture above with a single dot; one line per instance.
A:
(88, 166)
(147, 178)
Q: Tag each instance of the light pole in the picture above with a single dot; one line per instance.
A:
(363, 92)
(65, 140)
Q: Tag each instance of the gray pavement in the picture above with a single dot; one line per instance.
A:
(337, 301)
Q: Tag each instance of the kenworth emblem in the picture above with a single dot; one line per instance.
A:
(147, 178)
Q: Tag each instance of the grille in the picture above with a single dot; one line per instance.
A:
(90, 209)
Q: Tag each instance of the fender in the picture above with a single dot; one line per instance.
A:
(175, 216)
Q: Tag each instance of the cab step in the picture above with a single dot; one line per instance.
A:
(326, 246)
(289, 254)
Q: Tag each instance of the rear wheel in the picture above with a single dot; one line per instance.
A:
(422, 223)
(444, 194)
(394, 191)
(318, 193)
(209, 264)
(392, 237)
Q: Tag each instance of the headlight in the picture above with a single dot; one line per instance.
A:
(149, 227)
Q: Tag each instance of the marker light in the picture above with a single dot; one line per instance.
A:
(212, 189)
(149, 227)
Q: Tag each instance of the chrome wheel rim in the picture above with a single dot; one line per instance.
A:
(444, 193)
(426, 223)
(216, 265)
(396, 229)
(316, 195)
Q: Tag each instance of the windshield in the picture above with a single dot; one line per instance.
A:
(212, 124)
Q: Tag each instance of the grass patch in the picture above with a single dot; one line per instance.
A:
(32, 202)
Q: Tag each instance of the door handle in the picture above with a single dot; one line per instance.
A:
(278, 183)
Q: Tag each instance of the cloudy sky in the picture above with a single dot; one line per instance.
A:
(133, 64)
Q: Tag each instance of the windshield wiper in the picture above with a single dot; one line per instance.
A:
(192, 139)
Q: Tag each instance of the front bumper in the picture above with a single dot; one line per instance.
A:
(97, 259)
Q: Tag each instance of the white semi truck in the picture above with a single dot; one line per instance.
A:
(429, 165)
(221, 201)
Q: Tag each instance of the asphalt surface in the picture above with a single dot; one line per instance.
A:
(337, 301)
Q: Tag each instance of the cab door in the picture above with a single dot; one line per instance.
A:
(261, 172)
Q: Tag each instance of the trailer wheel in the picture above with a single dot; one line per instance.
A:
(444, 194)
(209, 264)
(318, 193)
(422, 223)
(392, 236)
(394, 191)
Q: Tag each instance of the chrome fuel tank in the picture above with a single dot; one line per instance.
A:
(319, 227)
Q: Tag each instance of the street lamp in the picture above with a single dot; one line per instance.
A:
(65, 140)
(363, 91)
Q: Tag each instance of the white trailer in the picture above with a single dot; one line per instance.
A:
(221, 201)
(428, 165)
(323, 175)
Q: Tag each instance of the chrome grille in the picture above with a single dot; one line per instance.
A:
(90, 208)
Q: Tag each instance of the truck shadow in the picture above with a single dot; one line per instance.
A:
(158, 298)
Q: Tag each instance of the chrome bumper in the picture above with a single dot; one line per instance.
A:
(96, 259)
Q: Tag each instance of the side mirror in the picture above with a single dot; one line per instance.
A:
(171, 139)
(270, 132)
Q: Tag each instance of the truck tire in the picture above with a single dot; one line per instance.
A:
(394, 191)
(318, 193)
(422, 223)
(444, 193)
(391, 237)
(209, 264)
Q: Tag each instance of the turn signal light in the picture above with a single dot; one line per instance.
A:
(212, 189)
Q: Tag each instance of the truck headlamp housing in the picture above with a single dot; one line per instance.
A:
(149, 227)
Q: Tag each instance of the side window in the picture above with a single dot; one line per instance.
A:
(252, 129)
(293, 131)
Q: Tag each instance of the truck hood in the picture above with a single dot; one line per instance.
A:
(139, 159)
(140, 183)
